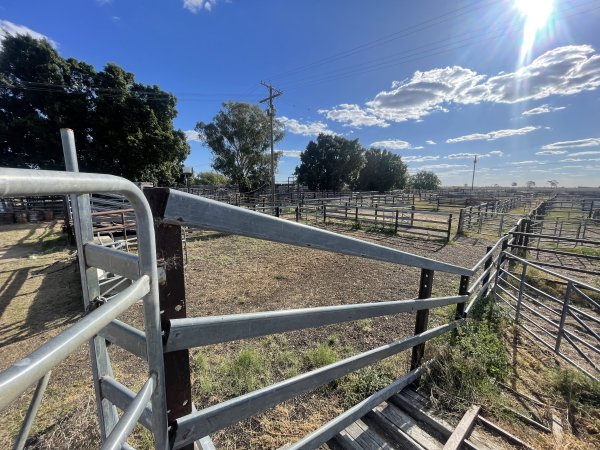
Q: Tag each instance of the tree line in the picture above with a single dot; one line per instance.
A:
(125, 128)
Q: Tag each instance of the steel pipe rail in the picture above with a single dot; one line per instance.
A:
(18, 377)
(34, 407)
(129, 419)
(190, 210)
(200, 331)
(206, 421)
(113, 261)
(127, 337)
(121, 396)
(331, 428)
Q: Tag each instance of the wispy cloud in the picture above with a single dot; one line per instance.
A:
(412, 158)
(353, 116)
(196, 6)
(590, 142)
(442, 166)
(562, 71)
(430, 142)
(543, 109)
(586, 153)
(522, 163)
(305, 129)
(394, 144)
(192, 135)
(498, 153)
(492, 135)
(290, 153)
(12, 29)
(466, 155)
(551, 152)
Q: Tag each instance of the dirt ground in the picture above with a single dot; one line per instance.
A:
(40, 296)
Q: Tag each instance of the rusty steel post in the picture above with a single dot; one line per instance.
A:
(422, 317)
(169, 255)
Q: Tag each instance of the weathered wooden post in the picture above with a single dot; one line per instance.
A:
(412, 216)
(422, 317)
(356, 216)
(324, 213)
(396, 223)
(297, 210)
(461, 219)
(449, 231)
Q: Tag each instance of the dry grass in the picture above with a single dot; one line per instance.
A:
(39, 297)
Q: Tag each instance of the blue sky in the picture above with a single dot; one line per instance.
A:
(434, 81)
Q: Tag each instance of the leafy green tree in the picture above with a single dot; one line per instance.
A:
(121, 127)
(425, 180)
(382, 171)
(240, 138)
(330, 163)
(211, 179)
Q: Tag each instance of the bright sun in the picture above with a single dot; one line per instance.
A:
(536, 13)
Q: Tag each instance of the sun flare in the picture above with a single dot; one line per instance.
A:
(536, 14)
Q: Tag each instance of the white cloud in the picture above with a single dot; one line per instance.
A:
(591, 152)
(430, 142)
(564, 70)
(291, 153)
(492, 135)
(353, 116)
(192, 135)
(395, 144)
(8, 28)
(198, 5)
(305, 129)
(442, 166)
(466, 155)
(412, 158)
(498, 153)
(551, 152)
(520, 163)
(543, 109)
(590, 142)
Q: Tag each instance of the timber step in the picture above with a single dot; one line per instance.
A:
(407, 421)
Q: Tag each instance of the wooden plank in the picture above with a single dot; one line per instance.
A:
(343, 441)
(419, 411)
(404, 423)
(462, 429)
(366, 437)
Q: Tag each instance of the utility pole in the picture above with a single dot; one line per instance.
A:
(473, 179)
(271, 113)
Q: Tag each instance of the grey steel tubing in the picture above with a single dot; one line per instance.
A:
(581, 353)
(206, 421)
(200, 331)
(584, 325)
(34, 406)
(481, 262)
(563, 277)
(130, 418)
(15, 182)
(187, 209)
(113, 261)
(121, 396)
(331, 428)
(18, 377)
(127, 337)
